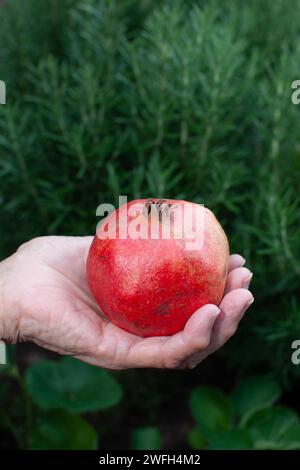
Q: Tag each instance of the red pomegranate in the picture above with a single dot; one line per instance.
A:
(154, 262)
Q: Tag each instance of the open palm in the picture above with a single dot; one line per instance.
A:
(49, 302)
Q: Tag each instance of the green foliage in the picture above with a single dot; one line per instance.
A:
(255, 424)
(71, 385)
(234, 439)
(147, 438)
(195, 439)
(275, 428)
(254, 394)
(52, 394)
(60, 430)
(211, 410)
(181, 99)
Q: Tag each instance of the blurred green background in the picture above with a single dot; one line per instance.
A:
(181, 99)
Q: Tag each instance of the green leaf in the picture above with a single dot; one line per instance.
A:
(234, 439)
(147, 438)
(211, 409)
(275, 428)
(254, 394)
(59, 430)
(196, 439)
(291, 439)
(71, 385)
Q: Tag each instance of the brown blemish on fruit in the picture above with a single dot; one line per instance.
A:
(163, 309)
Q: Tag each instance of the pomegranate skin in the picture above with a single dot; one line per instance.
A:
(150, 287)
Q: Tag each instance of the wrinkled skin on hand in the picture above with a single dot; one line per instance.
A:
(45, 299)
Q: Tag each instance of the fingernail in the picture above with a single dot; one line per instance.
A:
(250, 302)
(215, 311)
(244, 261)
(246, 282)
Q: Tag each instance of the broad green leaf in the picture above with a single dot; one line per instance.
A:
(211, 409)
(147, 438)
(196, 440)
(59, 430)
(254, 394)
(234, 439)
(291, 439)
(71, 385)
(275, 428)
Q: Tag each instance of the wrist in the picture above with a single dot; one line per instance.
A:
(8, 323)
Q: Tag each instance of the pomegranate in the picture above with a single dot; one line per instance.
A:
(149, 284)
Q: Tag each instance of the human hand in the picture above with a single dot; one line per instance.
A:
(44, 298)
